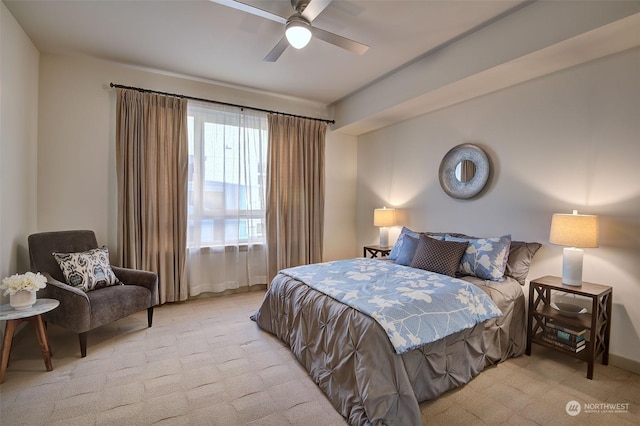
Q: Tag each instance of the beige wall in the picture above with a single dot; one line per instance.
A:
(18, 144)
(570, 140)
(340, 197)
(76, 146)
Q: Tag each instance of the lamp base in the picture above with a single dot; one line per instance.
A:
(572, 266)
(384, 236)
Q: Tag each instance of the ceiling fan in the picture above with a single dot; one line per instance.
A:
(298, 28)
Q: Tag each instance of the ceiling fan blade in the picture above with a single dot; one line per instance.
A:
(277, 50)
(335, 39)
(252, 10)
(315, 8)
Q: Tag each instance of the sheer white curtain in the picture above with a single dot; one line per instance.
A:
(226, 197)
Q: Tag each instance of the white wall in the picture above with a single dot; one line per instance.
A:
(76, 145)
(569, 140)
(18, 144)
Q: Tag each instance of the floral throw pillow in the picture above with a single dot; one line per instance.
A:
(88, 270)
(485, 257)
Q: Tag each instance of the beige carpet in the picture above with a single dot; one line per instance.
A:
(204, 362)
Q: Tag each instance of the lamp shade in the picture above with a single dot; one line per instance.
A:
(384, 217)
(574, 230)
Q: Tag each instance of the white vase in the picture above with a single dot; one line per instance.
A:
(22, 300)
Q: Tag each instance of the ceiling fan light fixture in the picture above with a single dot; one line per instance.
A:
(298, 31)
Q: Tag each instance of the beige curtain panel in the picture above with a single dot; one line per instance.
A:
(152, 161)
(295, 192)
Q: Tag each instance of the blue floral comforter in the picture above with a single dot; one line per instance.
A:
(413, 306)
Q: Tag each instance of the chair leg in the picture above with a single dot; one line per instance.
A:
(83, 344)
(150, 316)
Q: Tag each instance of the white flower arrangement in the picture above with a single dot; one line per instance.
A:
(28, 281)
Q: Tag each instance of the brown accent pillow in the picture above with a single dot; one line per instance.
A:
(520, 255)
(438, 256)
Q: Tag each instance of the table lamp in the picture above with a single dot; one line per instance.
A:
(384, 218)
(576, 231)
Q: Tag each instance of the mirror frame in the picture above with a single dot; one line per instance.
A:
(447, 173)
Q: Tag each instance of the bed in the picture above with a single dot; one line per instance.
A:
(354, 359)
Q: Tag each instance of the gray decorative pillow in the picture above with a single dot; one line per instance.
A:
(520, 255)
(438, 256)
(88, 270)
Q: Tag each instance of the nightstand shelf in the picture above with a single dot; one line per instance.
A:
(582, 355)
(582, 320)
(374, 251)
(597, 323)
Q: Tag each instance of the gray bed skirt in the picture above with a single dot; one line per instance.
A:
(349, 356)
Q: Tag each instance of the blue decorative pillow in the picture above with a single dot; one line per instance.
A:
(407, 250)
(485, 257)
(395, 251)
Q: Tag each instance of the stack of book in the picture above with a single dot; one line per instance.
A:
(565, 336)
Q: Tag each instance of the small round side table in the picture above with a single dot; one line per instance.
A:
(32, 315)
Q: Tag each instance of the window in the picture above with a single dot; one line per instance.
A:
(227, 173)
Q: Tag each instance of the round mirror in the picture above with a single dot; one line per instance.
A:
(464, 171)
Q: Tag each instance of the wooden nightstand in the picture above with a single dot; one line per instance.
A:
(597, 323)
(373, 251)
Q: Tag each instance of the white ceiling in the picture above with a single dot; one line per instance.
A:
(209, 41)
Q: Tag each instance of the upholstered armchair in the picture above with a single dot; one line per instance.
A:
(80, 310)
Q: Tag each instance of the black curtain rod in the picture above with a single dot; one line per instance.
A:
(120, 86)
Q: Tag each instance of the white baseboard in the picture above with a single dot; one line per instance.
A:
(624, 363)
